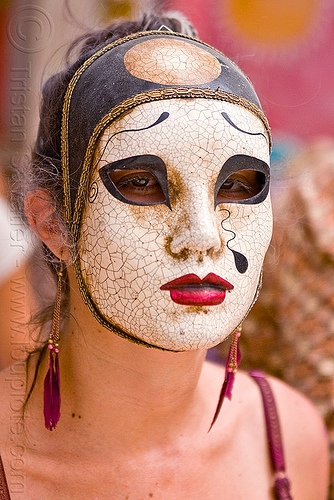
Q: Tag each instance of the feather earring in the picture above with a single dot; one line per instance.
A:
(52, 381)
(232, 363)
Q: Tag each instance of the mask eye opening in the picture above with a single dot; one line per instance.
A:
(127, 189)
(243, 179)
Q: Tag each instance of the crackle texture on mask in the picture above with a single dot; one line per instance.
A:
(127, 252)
(111, 90)
(171, 62)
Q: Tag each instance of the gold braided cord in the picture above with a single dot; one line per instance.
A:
(152, 95)
(168, 93)
(98, 315)
(234, 349)
(54, 335)
(74, 223)
(66, 115)
(74, 220)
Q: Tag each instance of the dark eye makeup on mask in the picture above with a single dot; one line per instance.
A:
(137, 180)
(242, 179)
(142, 180)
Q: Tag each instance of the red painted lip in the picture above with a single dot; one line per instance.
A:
(191, 290)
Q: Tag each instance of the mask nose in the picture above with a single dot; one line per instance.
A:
(197, 229)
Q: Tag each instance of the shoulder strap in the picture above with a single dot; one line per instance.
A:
(282, 485)
(4, 492)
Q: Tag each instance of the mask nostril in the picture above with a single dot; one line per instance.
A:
(171, 250)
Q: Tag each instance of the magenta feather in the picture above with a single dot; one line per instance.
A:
(52, 392)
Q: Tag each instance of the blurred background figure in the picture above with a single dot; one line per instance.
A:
(296, 305)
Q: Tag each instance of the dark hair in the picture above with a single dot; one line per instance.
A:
(45, 171)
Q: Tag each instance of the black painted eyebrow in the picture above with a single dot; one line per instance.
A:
(161, 119)
(229, 121)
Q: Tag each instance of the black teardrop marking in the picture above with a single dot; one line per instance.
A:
(241, 263)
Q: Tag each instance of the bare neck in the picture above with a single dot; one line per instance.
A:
(138, 388)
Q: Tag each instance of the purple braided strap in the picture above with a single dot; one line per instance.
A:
(281, 485)
(4, 492)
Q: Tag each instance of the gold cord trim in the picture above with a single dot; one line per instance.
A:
(156, 94)
(74, 220)
(153, 95)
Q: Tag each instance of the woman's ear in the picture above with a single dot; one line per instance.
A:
(40, 210)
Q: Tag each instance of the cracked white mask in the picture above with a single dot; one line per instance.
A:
(178, 220)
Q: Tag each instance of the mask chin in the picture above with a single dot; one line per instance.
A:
(177, 343)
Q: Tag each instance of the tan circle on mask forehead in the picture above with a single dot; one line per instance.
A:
(171, 62)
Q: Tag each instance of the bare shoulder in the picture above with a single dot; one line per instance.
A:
(305, 442)
(298, 415)
(304, 436)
